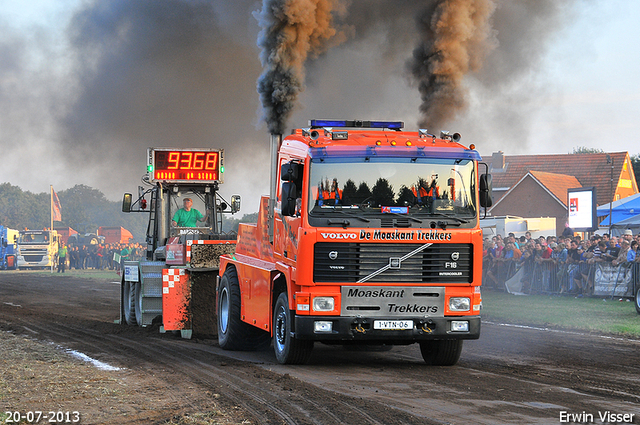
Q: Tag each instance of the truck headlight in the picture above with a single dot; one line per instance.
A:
(459, 304)
(319, 326)
(323, 304)
(459, 326)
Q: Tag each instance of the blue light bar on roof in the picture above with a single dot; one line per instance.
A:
(396, 125)
(327, 153)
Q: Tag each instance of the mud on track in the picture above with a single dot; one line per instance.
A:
(511, 375)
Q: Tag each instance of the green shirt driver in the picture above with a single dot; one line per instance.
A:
(187, 216)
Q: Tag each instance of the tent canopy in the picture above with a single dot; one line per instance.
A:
(621, 210)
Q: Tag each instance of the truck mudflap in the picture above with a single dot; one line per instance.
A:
(386, 330)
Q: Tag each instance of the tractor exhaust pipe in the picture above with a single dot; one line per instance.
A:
(276, 141)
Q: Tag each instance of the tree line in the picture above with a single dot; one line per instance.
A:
(84, 209)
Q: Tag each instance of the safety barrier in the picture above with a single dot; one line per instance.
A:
(603, 279)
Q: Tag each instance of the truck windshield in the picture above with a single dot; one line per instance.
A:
(411, 186)
(34, 238)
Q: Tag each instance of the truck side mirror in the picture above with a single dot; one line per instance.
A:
(289, 172)
(486, 189)
(289, 191)
(126, 202)
(235, 204)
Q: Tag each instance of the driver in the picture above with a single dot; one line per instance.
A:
(187, 216)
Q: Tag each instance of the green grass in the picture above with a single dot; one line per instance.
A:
(601, 315)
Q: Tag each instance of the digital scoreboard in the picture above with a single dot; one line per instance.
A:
(185, 165)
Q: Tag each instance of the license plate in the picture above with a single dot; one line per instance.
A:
(393, 324)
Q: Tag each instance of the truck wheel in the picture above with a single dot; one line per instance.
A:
(233, 333)
(137, 302)
(637, 297)
(441, 352)
(129, 302)
(288, 349)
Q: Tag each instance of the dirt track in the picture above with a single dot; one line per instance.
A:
(512, 375)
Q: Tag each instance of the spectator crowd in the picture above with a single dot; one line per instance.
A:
(563, 264)
(101, 256)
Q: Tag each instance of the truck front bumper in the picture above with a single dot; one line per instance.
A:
(362, 329)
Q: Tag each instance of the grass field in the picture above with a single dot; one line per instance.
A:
(602, 315)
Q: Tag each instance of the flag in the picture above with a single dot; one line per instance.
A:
(56, 214)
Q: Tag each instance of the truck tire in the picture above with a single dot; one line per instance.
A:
(129, 302)
(137, 302)
(287, 348)
(233, 333)
(637, 299)
(441, 352)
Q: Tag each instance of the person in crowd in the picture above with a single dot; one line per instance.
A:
(599, 252)
(512, 251)
(622, 254)
(73, 258)
(62, 257)
(528, 260)
(543, 259)
(584, 283)
(559, 255)
(633, 250)
(573, 270)
(568, 231)
(488, 257)
(527, 236)
(559, 259)
(124, 255)
(512, 238)
(612, 250)
(499, 247)
(82, 257)
(100, 257)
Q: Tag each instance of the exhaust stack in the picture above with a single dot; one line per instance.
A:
(276, 141)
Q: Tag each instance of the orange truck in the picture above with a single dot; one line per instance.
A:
(115, 234)
(64, 233)
(371, 236)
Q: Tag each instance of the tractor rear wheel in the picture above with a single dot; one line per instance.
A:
(129, 302)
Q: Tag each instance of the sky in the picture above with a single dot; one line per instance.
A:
(87, 86)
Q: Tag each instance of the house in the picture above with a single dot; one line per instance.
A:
(536, 185)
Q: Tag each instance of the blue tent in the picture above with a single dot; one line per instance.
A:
(621, 210)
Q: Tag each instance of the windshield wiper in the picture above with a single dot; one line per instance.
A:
(346, 222)
(459, 220)
(404, 216)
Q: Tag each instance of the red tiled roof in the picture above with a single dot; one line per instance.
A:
(589, 169)
(557, 184)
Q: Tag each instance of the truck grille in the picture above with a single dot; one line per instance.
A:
(33, 258)
(437, 263)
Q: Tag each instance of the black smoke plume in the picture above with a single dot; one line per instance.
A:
(455, 37)
(291, 31)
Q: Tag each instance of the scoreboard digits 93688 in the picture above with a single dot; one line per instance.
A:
(186, 165)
